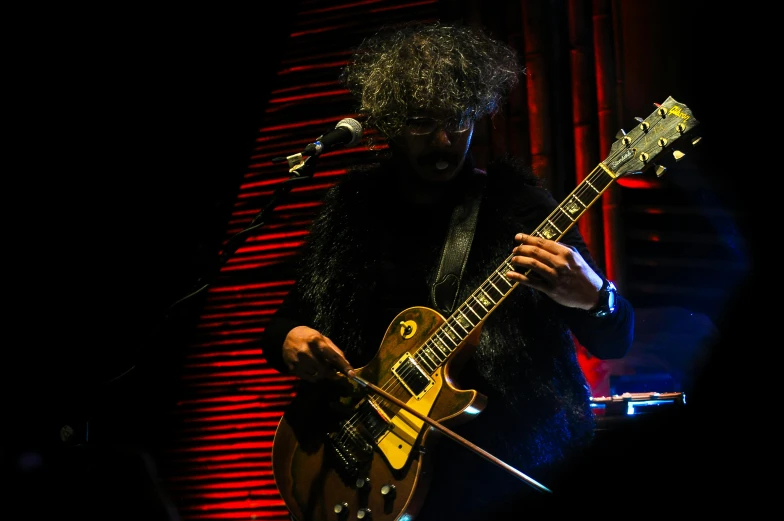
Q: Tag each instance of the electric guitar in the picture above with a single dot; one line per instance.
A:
(345, 454)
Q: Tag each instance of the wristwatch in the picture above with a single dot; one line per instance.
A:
(606, 304)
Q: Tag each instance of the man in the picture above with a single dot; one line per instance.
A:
(378, 248)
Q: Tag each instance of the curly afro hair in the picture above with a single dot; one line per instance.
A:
(400, 70)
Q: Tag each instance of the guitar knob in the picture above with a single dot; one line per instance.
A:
(364, 513)
(388, 491)
(362, 483)
(341, 509)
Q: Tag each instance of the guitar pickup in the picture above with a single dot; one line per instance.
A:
(413, 377)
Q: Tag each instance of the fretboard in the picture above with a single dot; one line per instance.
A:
(475, 310)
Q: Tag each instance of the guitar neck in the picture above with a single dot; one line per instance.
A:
(632, 153)
(489, 295)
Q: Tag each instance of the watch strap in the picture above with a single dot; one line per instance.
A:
(603, 307)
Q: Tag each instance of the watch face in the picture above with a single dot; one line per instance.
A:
(606, 304)
(611, 297)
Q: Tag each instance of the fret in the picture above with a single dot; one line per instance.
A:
(423, 362)
(549, 233)
(566, 214)
(439, 357)
(570, 208)
(456, 321)
(450, 338)
(496, 288)
(474, 312)
(594, 188)
(453, 335)
(503, 277)
(555, 226)
(476, 308)
(582, 202)
(602, 177)
(590, 196)
(560, 220)
(442, 354)
(575, 198)
(427, 352)
(489, 298)
(442, 346)
(466, 319)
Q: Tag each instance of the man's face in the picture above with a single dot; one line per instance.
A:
(435, 146)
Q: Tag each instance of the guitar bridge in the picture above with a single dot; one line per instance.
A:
(350, 448)
(413, 377)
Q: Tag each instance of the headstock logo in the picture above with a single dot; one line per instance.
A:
(676, 111)
(621, 160)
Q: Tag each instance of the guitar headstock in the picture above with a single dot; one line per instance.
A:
(669, 125)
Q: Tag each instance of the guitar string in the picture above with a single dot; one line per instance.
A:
(585, 187)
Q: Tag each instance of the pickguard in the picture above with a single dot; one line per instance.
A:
(398, 442)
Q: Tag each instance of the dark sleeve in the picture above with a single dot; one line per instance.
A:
(604, 337)
(296, 309)
(291, 313)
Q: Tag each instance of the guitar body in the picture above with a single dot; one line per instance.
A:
(318, 465)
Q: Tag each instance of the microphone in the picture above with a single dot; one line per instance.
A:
(347, 132)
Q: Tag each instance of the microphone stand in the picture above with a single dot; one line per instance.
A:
(75, 435)
(302, 172)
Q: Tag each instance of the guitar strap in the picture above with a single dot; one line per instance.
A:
(454, 254)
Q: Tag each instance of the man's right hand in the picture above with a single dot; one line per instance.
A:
(311, 356)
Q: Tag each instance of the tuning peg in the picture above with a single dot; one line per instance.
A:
(638, 118)
(678, 155)
(696, 141)
(660, 169)
(620, 134)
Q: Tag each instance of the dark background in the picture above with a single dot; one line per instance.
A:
(138, 130)
(132, 133)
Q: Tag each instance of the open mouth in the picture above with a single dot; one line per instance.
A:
(440, 160)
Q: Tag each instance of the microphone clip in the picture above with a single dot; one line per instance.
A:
(297, 166)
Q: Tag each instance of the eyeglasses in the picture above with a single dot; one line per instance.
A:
(422, 126)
